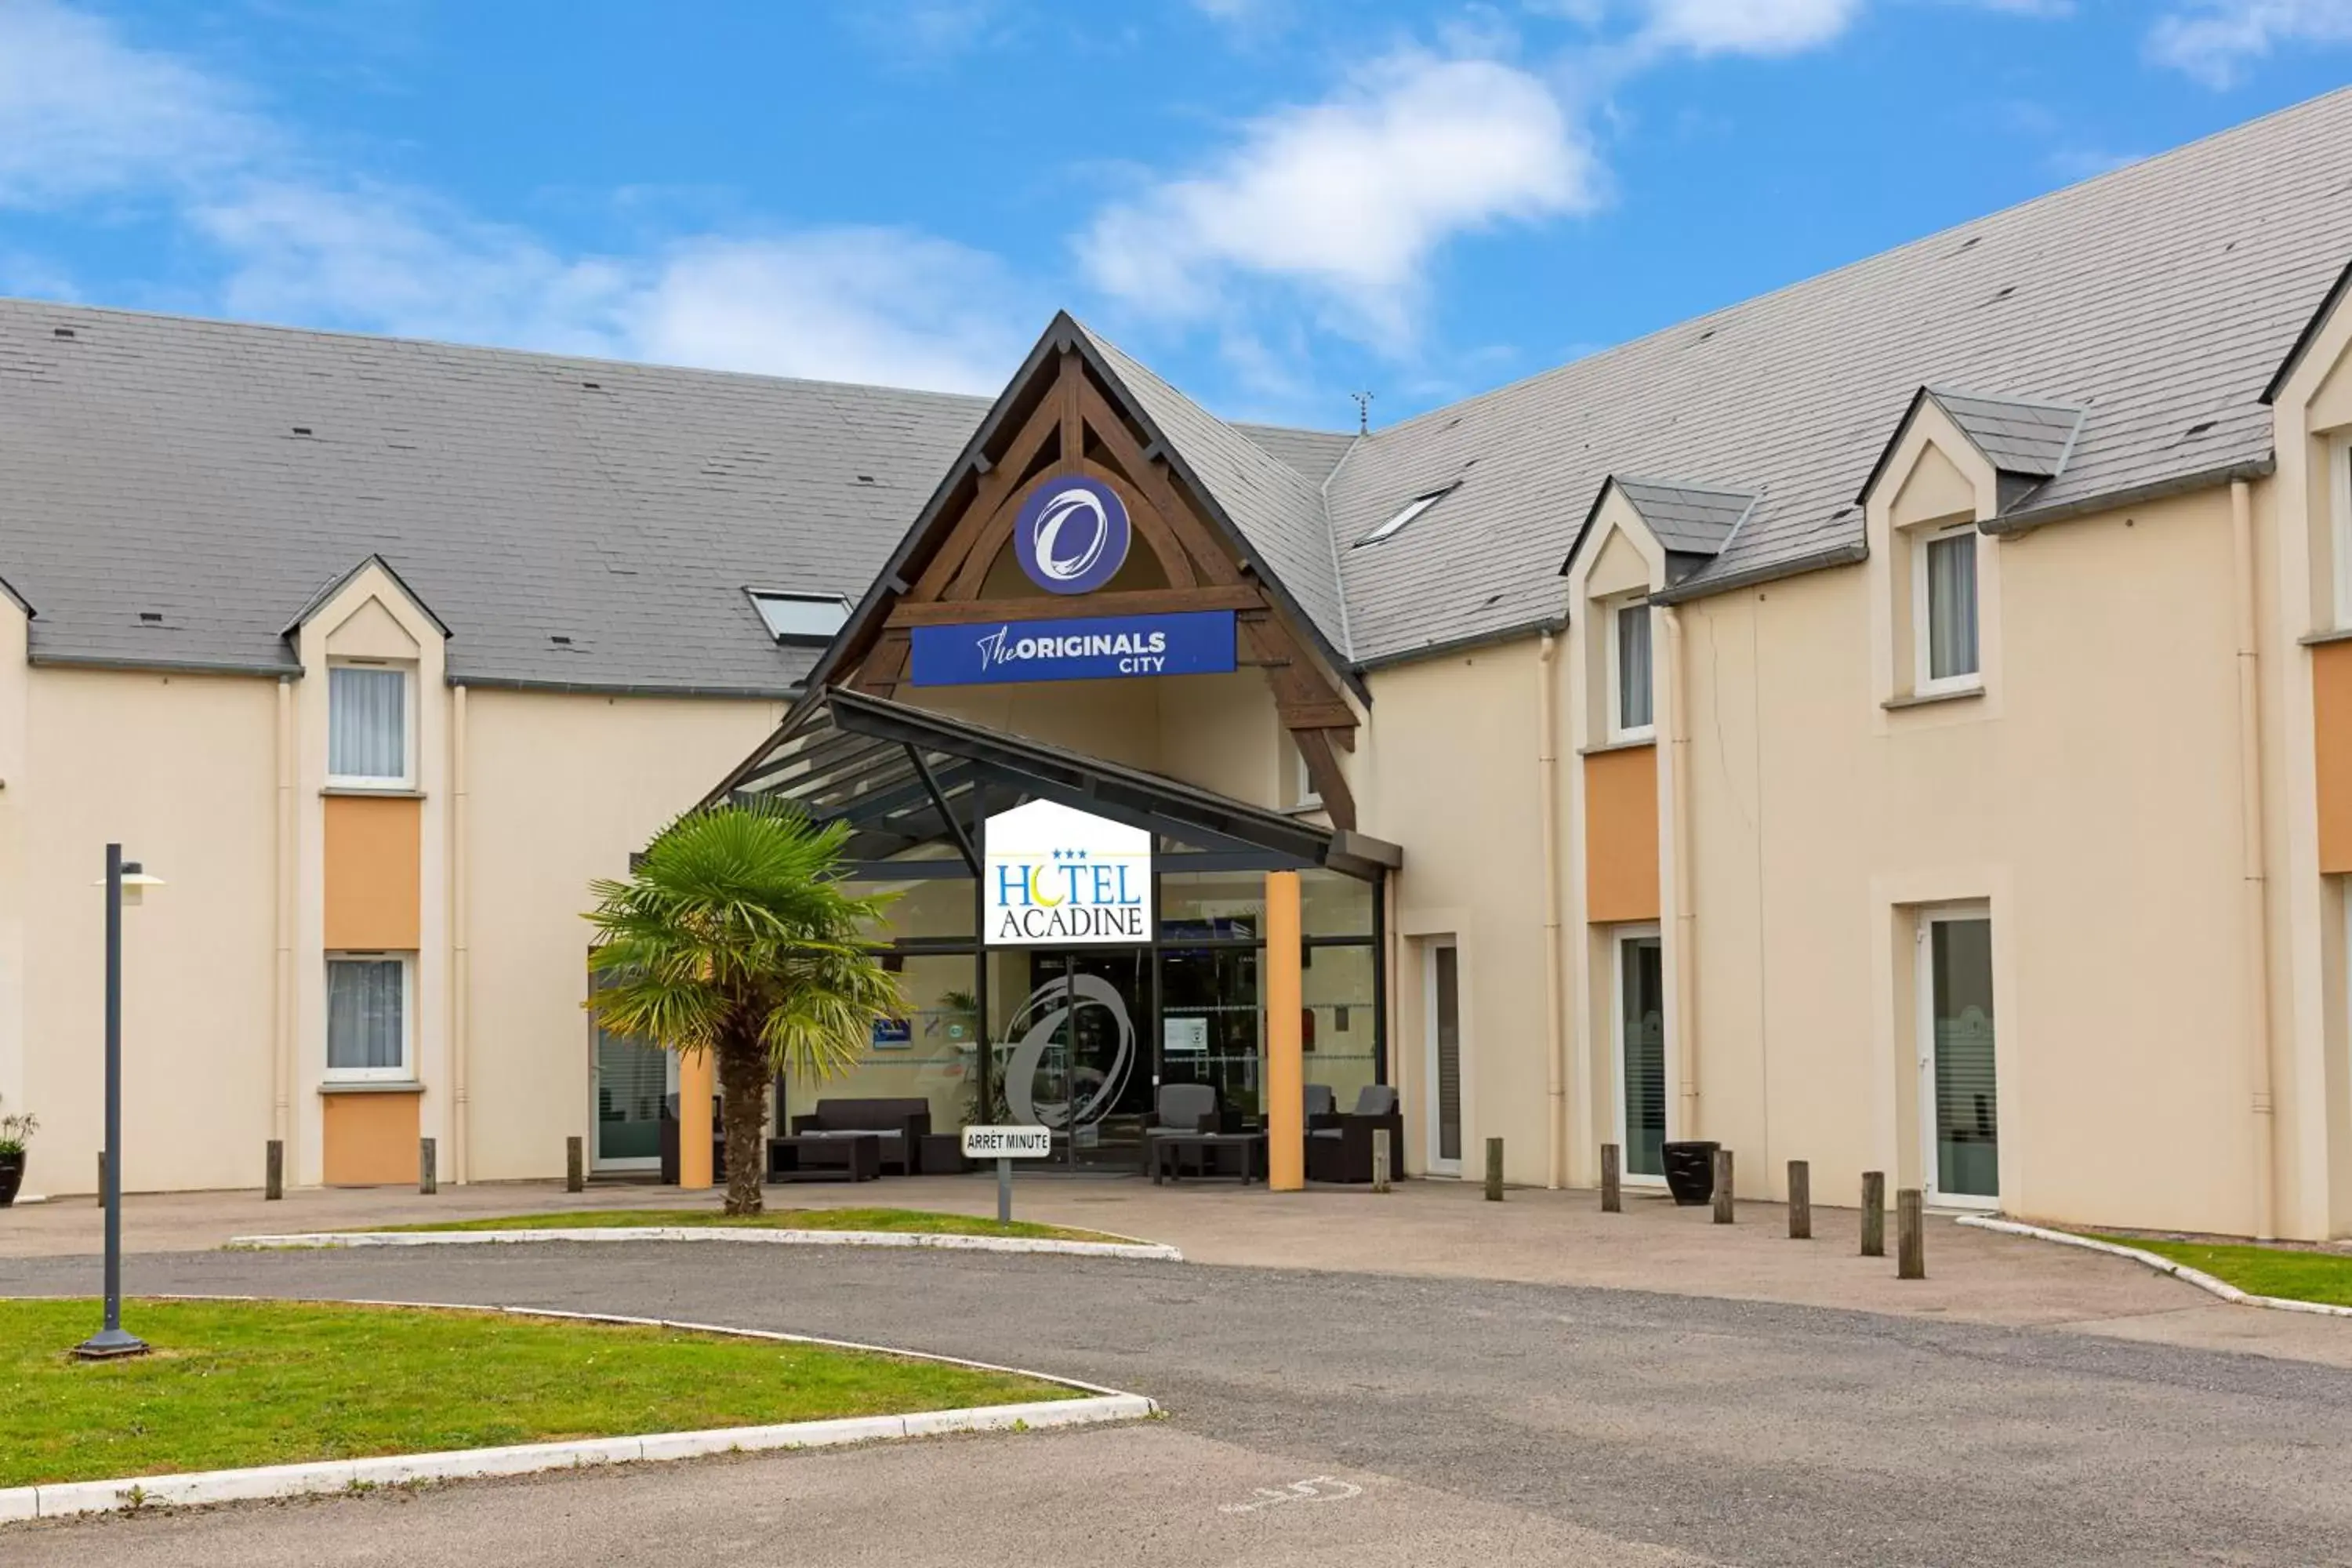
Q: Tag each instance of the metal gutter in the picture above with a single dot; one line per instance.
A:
(2109, 500)
(160, 665)
(1474, 640)
(1851, 553)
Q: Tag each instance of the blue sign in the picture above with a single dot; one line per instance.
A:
(1072, 535)
(1189, 642)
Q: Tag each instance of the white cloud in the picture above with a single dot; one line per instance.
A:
(2215, 40)
(1347, 199)
(1748, 27)
(86, 116)
(81, 114)
(843, 304)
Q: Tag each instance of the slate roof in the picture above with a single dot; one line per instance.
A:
(1277, 509)
(2017, 437)
(2110, 339)
(2159, 298)
(153, 464)
(1688, 520)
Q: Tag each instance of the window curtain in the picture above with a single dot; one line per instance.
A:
(367, 724)
(1633, 666)
(1952, 606)
(363, 1008)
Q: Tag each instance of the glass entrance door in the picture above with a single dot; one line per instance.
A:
(1641, 1054)
(1445, 987)
(1960, 1115)
(1070, 1049)
(632, 1078)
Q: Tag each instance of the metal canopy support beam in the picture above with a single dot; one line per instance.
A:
(962, 839)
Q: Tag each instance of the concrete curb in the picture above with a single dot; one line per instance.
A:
(2162, 1265)
(1139, 1251)
(60, 1498)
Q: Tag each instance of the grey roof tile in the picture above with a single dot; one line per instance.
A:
(2016, 436)
(153, 463)
(1689, 520)
(1276, 507)
(2157, 297)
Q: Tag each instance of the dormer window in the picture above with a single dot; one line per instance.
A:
(1630, 712)
(1944, 609)
(1404, 515)
(802, 620)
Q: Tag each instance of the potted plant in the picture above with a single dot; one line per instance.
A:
(1690, 1170)
(15, 1132)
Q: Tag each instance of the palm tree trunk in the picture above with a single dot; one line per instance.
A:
(742, 1089)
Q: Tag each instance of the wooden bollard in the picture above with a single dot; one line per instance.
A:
(1801, 1201)
(1379, 1159)
(1874, 1214)
(1910, 1235)
(273, 1170)
(1723, 1200)
(428, 1179)
(1494, 1170)
(575, 1166)
(1613, 1181)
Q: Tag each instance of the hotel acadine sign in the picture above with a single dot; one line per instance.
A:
(1057, 877)
(1071, 537)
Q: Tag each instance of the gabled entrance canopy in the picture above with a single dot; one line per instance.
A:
(1069, 415)
(907, 781)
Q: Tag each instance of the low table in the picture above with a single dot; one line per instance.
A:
(1168, 1150)
(825, 1157)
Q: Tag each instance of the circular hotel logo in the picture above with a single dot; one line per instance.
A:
(1072, 536)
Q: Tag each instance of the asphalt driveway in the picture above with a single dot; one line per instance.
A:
(1476, 1420)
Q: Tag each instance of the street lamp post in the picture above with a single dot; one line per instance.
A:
(112, 1341)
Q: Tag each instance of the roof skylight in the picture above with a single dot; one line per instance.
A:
(801, 618)
(1405, 514)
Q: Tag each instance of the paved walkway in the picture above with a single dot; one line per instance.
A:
(1483, 1422)
(1438, 1229)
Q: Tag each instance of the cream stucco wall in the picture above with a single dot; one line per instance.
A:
(1219, 732)
(561, 789)
(2096, 810)
(180, 770)
(1448, 768)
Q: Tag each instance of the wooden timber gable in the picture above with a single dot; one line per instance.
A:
(1066, 413)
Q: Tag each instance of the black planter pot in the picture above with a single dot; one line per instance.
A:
(1690, 1170)
(12, 1176)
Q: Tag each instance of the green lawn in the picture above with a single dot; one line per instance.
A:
(773, 1219)
(2289, 1272)
(238, 1384)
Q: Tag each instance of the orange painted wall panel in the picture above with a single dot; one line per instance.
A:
(1621, 834)
(371, 871)
(370, 1140)
(2331, 712)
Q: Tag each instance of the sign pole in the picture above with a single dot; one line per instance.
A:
(1003, 1192)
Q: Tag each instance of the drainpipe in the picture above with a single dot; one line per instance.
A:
(282, 1006)
(460, 944)
(2253, 869)
(1546, 803)
(1686, 949)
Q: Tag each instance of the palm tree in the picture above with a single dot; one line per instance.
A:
(733, 934)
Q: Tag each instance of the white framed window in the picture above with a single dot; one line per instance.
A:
(1304, 795)
(1631, 716)
(370, 726)
(1944, 610)
(805, 619)
(1401, 516)
(2339, 497)
(1638, 1023)
(371, 1013)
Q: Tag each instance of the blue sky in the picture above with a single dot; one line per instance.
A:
(1275, 202)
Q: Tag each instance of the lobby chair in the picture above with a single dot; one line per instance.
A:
(1340, 1149)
